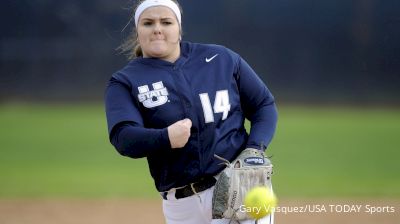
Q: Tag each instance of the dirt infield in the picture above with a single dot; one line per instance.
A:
(118, 211)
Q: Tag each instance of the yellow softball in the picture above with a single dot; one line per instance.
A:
(259, 202)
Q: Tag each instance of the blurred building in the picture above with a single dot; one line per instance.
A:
(342, 51)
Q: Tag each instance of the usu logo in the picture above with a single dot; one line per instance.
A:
(156, 97)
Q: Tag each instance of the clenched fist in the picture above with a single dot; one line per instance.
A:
(179, 133)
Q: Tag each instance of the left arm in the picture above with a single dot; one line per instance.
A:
(258, 106)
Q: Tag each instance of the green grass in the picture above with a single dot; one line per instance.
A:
(63, 151)
(337, 152)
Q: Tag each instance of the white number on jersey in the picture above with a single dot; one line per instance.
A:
(221, 105)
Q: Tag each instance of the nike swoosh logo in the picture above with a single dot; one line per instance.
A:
(210, 59)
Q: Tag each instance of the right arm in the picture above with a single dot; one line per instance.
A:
(126, 129)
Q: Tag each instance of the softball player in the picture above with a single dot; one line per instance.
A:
(177, 104)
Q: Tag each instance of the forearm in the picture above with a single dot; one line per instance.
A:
(139, 142)
(263, 125)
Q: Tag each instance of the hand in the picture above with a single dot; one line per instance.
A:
(179, 133)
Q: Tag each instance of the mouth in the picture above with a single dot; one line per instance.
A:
(158, 42)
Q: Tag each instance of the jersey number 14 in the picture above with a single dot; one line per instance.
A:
(221, 105)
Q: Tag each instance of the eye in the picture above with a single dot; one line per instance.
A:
(147, 23)
(166, 22)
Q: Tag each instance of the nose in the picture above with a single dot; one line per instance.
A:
(157, 28)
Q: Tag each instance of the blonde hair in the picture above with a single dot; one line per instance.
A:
(130, 46)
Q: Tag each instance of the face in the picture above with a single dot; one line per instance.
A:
(159, 33)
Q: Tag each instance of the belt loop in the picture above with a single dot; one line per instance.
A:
(194, 190)
(164, 195)
(171, 194)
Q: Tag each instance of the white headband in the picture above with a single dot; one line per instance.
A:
(150, 3)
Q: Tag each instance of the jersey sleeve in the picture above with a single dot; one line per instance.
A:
(258, 106)
(125, 124)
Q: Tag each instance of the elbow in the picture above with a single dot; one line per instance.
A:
(127, 150)
(275, 112)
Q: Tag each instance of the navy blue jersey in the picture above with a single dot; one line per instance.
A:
(209, 84)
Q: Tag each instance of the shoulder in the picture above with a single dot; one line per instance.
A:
(125, 74)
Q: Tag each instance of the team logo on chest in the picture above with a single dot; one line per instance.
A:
(156, 97)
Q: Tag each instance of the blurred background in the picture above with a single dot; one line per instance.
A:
(307, 51)
(333, 66)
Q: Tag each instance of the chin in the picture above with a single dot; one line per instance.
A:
(158, 54)
(158, 51)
